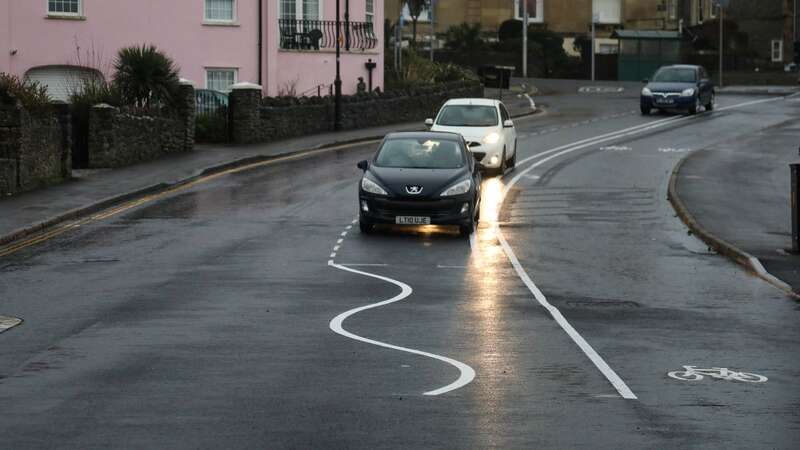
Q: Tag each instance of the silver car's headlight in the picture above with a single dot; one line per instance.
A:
(646, 92)
(372, 187)
(688, 92)
(462, 187)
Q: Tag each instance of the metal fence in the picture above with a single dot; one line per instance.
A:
(321, 34)
(212, 116)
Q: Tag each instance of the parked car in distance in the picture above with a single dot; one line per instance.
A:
(424, 178)
(487, 128)
(678, 88)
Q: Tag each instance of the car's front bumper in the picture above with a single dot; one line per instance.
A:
(675, 102)
(488, 156)
(443, 211)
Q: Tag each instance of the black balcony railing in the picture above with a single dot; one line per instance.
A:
(321, 34)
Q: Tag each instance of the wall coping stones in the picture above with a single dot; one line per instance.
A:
(185, 82)
(246, 86)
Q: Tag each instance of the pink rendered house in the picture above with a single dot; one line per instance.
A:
(286, 46)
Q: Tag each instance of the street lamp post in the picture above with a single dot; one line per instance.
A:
(524, 38)
(337, 101)
(433, 29)
(721, 42)
(594, 36)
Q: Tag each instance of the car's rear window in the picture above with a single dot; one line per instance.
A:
(468, 116)
(675, 75)
(420, 154)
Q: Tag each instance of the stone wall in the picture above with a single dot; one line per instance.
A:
(34, 148)
(256, 120)
(118, 138)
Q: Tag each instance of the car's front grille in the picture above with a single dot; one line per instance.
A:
(429, 208)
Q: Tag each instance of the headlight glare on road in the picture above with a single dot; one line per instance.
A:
(372, 187)
(462, 187)
(688, 92)
(492, 138)
(646, 92)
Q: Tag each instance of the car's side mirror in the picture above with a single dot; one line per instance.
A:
(428, 123)
(508, 124)
(363, 165)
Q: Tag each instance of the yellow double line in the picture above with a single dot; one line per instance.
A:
(113, 211)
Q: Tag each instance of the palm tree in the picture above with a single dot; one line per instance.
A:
(415, 8)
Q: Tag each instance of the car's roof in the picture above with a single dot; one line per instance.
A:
(681, 66)
(473, 101)
(442, 135)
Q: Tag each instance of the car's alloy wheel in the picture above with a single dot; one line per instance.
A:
(711, 102)
(513, 161)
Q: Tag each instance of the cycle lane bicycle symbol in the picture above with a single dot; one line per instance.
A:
(693, 373)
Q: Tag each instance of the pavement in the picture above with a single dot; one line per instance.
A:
(245, 310)
(738, 192)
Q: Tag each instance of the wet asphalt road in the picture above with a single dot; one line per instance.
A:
(202, 320)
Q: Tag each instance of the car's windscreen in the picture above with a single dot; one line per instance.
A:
(675, 75)
(420, 154)
(468, 116)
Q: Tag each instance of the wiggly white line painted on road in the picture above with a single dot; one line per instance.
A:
(467, 373)
(621, 387)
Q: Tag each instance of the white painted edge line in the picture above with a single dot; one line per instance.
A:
(533, 104)
(768, 277)
(467, 373)
(598, 361)
(7, 323)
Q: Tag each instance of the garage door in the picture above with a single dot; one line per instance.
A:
(61, 81)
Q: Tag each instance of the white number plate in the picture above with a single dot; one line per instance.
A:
(412, 220)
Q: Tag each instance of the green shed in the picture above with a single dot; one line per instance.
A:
(642, 52)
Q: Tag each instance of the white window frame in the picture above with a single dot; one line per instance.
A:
(299, 9)
(235, 71)
(538, 17)
(235, 18)
(64, 14)
(776, 46)
(369, 13)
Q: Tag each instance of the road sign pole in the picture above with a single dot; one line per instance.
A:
(592, 50)
(795, 200)
(721, 43)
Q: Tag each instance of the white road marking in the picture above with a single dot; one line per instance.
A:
(344, 233)
(467, 374)
(348, 227)
(596, 359)
(336, 248)
(693, 373)
(616, 148)
(340, 241)
(441, 266)
(333, 256)
(364, 265)
(533, 104)
(7, 323)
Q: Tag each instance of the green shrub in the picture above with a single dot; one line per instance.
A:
(146, 77)
(419, 71)
(32, 95)
(464, 38)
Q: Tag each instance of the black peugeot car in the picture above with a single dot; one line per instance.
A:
(426, 178)
(678, 87)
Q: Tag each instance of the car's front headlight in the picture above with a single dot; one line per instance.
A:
(688, 92)
(646, 92)
(462, 187)
(492, 138)
(372, 187)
